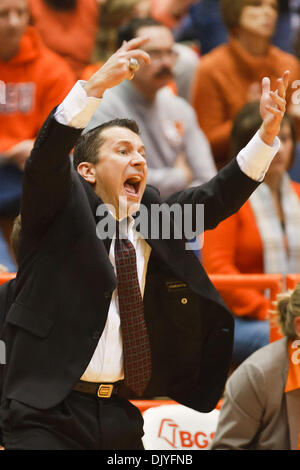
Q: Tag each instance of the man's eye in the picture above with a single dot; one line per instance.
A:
(123, 151)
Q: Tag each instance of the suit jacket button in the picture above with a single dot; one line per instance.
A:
(184, 300)
(96, 334)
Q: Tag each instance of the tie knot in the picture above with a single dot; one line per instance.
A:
(122, 227)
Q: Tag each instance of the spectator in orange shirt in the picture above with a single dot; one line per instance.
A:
(68, 27)
(229, 76)
(33, 81)
(262, 237)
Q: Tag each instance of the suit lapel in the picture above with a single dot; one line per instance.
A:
(293, 412)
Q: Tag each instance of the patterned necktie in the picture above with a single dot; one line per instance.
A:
(136, 347)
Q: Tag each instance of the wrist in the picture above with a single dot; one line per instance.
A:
(93, 90)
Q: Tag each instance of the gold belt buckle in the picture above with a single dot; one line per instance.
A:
(105, 391)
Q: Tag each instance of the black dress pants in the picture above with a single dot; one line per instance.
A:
(80, 422)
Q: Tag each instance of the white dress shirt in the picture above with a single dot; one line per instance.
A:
(106, 364)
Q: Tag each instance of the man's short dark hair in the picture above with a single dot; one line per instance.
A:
(88, 146)
(231, 11)
(62, 5)
(248, 121)
(129, 30)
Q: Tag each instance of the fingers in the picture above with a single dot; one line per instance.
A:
(281, 103)
(275, 111)
(138, 54)
(266, 85)
(282, 84)
(286, 79)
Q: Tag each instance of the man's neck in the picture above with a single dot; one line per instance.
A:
(149, 95)
(252, 43)
(8, 53)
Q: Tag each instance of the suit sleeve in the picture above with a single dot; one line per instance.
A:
(47, 177)
(212, 115)
(242, 410)
(221, 197)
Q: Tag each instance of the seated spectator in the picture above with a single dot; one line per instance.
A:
(114, 13)
(229, 76)
(261, 406)
(3, 269)
(262, 237)
(35, 80)
(178, 153)
(68, 27)
(170, 12)
(6, 261)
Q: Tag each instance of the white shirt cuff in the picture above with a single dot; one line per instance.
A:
(77, 108)
(254, 160)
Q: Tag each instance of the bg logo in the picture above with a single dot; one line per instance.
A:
(169, 431)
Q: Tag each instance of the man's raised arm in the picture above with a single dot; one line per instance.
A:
(47, 175)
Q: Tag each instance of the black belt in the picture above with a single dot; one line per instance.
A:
(101, 390)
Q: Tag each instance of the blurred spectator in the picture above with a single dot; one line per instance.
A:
(6, 260)
(68, 27)
(262, 237)
(261, 405)
(117, 12)
(178, 153)
(230, 76)
(34, 80)
(204, 25)
(288, 24)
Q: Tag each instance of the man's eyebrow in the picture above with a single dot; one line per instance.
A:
(128, 142)
(123, 141)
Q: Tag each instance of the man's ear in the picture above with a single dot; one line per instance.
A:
(297, 326)
(87, 171)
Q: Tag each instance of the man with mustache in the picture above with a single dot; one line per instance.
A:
(68, 27)
(178, 152)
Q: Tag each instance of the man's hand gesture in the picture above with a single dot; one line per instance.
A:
(272, 107)
(116, 69)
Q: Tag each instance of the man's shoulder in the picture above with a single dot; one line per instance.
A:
(169, 101)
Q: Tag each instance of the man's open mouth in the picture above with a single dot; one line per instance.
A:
(132, 185)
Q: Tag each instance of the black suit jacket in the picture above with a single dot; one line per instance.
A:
(65, 282)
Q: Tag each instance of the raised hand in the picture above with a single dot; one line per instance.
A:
(272, 107)
(116, 68)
